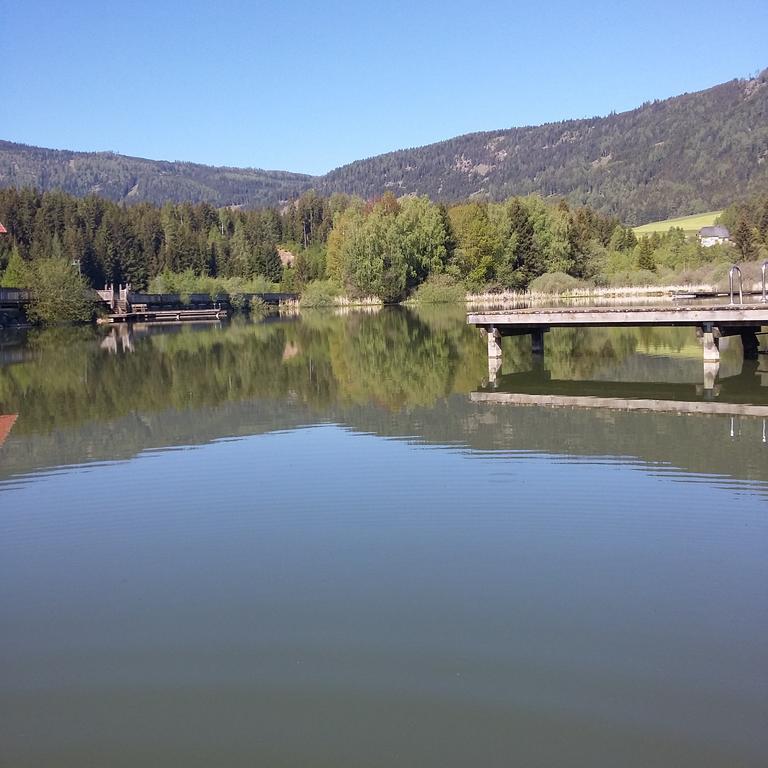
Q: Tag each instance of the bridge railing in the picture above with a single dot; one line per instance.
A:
(192, 299)
(14, 295)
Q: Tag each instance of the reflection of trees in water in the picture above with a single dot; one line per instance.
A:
(392, 358)
(399, 373)
(580, 353)
(396, 359)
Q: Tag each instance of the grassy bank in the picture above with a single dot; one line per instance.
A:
(713, 279)
(689, 224)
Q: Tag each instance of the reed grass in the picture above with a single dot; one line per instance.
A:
(333, 302)
(618, 294)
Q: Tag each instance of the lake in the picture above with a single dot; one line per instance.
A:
(310, 541)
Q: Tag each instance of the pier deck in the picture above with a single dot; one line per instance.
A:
(168, 315)
(745, 320)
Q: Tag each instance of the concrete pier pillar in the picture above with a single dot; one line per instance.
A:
(494, 369)
(711, 347)
(494, 343)
(711, 369)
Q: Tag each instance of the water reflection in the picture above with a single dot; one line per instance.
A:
(300, 542)
(735, 393)
(83, 395)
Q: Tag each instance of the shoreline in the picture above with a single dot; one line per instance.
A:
(502, 300)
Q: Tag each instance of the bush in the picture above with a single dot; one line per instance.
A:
(633, 278)
(321, 293)
(188, 282)
(440, 289)
(556, 282)
(239, 302)
(258, 307)
(59, 294)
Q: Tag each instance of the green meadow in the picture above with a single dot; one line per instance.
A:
(690, 224)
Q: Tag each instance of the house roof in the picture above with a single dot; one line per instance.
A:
(714, 232)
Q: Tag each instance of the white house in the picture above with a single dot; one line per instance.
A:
(709, 236)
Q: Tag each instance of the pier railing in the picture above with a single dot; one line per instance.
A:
(731, 272)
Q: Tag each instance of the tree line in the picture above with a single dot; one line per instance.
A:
(386, 247)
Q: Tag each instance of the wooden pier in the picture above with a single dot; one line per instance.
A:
(712, 322)
(128, 306)
(167, 316)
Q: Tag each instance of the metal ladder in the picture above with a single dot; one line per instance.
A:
(735, 270)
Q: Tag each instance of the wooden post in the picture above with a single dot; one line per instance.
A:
(537, 341)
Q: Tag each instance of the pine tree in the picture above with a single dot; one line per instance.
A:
(744, 240)
(645, 258)
(763, 223)
(273, 268)
(16, 273)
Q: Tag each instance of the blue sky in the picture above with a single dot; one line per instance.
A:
(307, 86)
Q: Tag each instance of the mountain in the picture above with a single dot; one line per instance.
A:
(133, 179)
(691, 153)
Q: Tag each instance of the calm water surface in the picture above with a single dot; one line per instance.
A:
(305, 542)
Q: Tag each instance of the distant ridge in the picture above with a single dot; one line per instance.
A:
(687, 154)
(134, 179)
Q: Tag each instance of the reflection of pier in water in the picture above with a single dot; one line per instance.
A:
(122, 336)
(744, 394)
(13, 347)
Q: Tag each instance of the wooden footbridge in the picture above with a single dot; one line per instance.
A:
(712, 322)
(14, 298)
(127, 306)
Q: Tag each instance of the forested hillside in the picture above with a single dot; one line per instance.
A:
(687, 154)
(133, 179)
